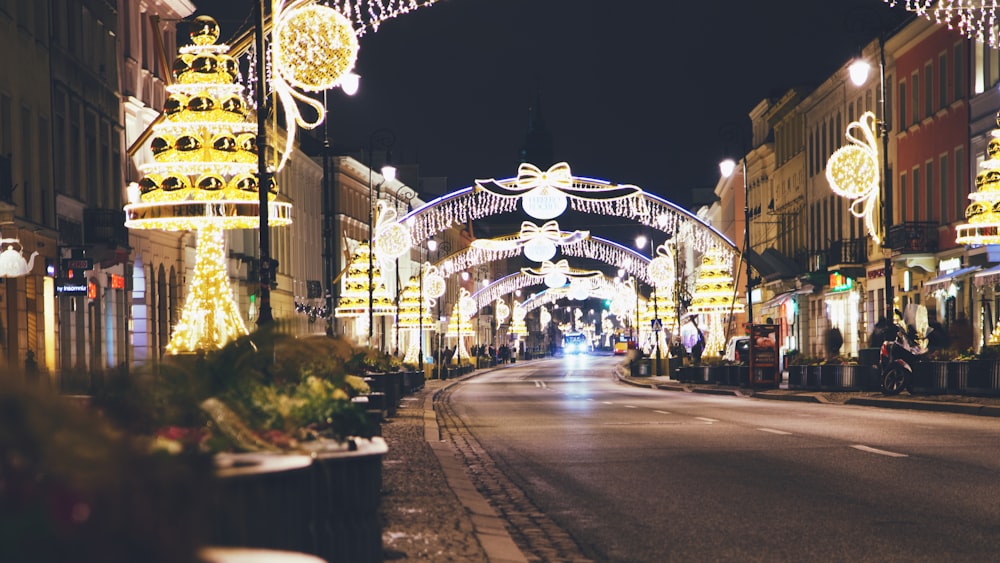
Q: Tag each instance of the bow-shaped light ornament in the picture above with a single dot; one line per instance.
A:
(853, 172)
(539, 243)
(544, 198)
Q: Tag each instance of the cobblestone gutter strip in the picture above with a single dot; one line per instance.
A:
(538, 536)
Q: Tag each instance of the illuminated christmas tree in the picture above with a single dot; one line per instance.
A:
(459, 326)
(203, 178)
(714, 298)
(354, 295)
(409, 317)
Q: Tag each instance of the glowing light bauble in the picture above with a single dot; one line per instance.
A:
(392, 240)
(661, 268)
(501, 310)
(853, 172)
(556, 279)
(983, 214)
(539, 250)
(467, 305)
(544, 203)
(315, 46)
(544, 318)
(434, 284)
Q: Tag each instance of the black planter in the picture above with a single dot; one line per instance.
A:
(717, 374)
(930, 378)
(813, 377)
(685, 374)
(958, 373)
(983, 378)
(796, 377)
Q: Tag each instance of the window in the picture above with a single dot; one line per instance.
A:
(945, 189)
(902, 104)
(929, 195)
(928, 90)
(27, 174)
(888, 104)
(902, 198)
(959, 71)
(915, 100)
(961, 184)
(943, 79)
(916, 194)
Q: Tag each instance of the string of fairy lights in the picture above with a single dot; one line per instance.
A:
(975, 19)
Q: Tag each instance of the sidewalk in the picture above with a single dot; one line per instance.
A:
(430, 509)
(962, 404)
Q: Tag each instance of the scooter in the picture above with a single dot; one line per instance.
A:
(897, 360)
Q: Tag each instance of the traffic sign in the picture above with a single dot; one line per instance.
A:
(657, 325)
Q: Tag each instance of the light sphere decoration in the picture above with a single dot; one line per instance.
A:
(434, 285)
(539, 249)
(555, 279)
(661, 268)
(502, 311)
(578, 292)
(544, 203)
(853, 171)
(315, 47)
(467, 305)
(392, 242)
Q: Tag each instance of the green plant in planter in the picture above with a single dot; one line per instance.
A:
(283, 389)
(942, 355)
(803, 360)
(989, 353)
(841, 360)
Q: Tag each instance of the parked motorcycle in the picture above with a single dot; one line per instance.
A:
(897, 360)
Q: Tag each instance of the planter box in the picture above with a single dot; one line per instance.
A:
(717, 374)
(325, 504)
(983, 378)
(930, 378)
(840, 377)
(796, 377)
(813, 377)
(958, 373)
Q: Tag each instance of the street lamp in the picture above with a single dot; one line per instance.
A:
(727, 167)
(859, 71)
(640, 243)
(264, 317)
(383, 139)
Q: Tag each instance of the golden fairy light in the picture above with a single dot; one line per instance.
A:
(983, 214)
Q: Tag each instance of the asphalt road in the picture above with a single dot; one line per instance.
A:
(632, 474)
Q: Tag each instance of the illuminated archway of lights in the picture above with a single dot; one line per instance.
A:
(594, 248)
(474, 203)
(600, 286)
(975, 19)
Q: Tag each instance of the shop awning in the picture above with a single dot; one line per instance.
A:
(944, 279)
(782, 297)
(987, 277)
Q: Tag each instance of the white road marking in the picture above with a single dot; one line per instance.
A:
(708, 420)
(631, 407)
(878, 451)
(607, 402)
(662, 412)
(773, 431)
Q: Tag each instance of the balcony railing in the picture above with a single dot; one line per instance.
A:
(847, 252)
(916, 237)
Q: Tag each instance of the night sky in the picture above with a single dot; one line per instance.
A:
(632, 91)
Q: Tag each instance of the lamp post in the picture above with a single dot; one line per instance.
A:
(727, 167)
(383, 139)
(264, 317)
(640, 242)
(405, 195)
(859, 71)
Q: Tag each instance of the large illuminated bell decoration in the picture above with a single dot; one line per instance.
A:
(983, 214)
(853, 172)
(392, 239)
(354, 294)
(203, 178)
(545, 195)
(538, 243)
(975, 19)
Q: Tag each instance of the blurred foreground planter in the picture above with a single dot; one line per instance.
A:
(324, 503)
(930, 378)
(983, 378)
